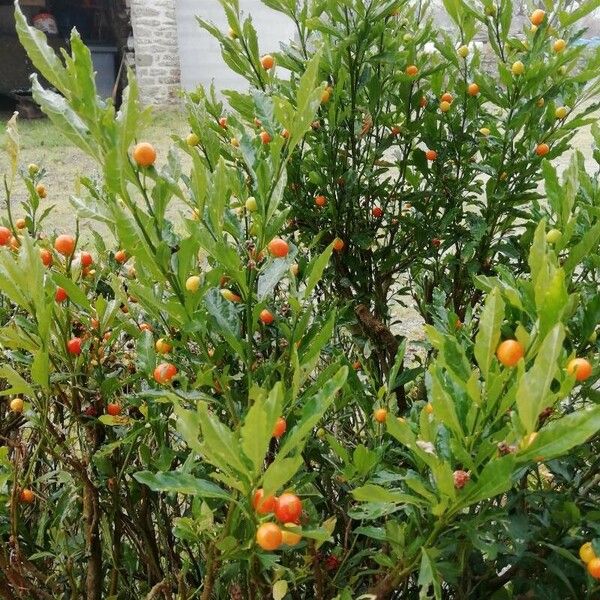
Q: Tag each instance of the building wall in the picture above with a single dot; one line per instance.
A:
(200, 54)
(156, 47)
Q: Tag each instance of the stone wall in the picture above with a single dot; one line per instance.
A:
(156, 50)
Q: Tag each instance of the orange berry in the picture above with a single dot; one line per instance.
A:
(267, 62)
(580, 368)
(162, 346)
(431, 155)
(423, 102)
(289, 537)
(74, 346)
(26, 496)
(144, 154)
(265, 138)
(113, 409)
(412, 70)
(542, 149)
(86, 260)
(593, 568)
(269, 536)
(586, 552)
(473, 89)
(537, 17)
(288, 508)
(285, 134)
(46, 257)
(121, 256)
(280, 427)
(320, 200)
(278, 248)
(338, 244)
(40, 190)
(5, 235)
(223, 122)
(510, 352)
(266, 317)
(165, 372)
(20, 223)
(65, 245)
(380, 415)
(447, 97)
(262, 505)
(60, 295)
(377, 212)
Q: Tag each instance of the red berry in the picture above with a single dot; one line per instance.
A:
(74, 346)
(289, 508)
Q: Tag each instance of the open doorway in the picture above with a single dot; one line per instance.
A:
(103, 25)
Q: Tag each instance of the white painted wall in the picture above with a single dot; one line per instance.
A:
(199, 54)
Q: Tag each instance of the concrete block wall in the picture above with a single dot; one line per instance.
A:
(157, 64)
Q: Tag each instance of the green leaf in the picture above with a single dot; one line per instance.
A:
(280, 471)
(533, 391)
(17, 384)
(43, 57)
(568, 18)
(488, 335)
(219, 444)
(180, 483)
(280, 589)
(257, 431)
(583, 249)
(494, 479)
(443, 403)
(428, 577)
(376, 493)
(12, 146)
(314, 270)
(312, 412)
(558, 437)
(225, 318)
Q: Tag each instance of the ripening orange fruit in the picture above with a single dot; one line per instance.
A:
(285, 134)
(60, 294)
(280, 427)
(338, 244)
(288, 508)
(377, 212)
(580, 368)
(262, 505)
(164, 373)
(20, 223)
(266, 317)
(593, 568)
(542, 149)
(86, 259)
(267, 62)
(431, 155)
(412, 70)
(269, 536)
(40, 190)
(473, 89)
(17, 405)
(289, 537)
(518, 68)
(65, 245)
(380, 415)
(121, 256)
(26, 496)
(230, 296)
(278, 248)
(559, 45)
(445, 106)
(423, 102)
(113, 409)
(320, 200)
(265, 138)
(162, 346)
(223, 122)
(46, 257)
(447, 97)
(144, 154)
(586, 552)
(74, 346)
(510, 352)
(5, 235)
(537, 17)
